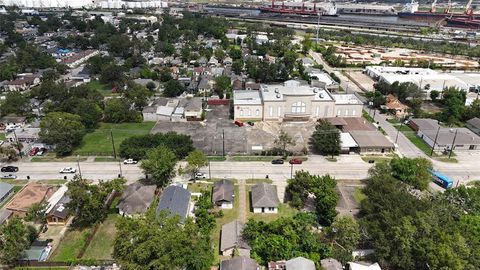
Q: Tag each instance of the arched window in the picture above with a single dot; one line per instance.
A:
(299, 107)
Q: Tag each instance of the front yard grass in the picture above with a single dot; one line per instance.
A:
(99, 142)
(284, 210)
(257, 181)
(70, 245)
(51, 157)
(101, 247)
(253, 158)
(358, 195)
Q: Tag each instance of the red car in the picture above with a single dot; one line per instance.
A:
(34, 151)
(295, 161)
(239, 123)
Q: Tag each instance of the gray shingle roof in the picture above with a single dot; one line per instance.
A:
(223, 191)
(137, 198)
(474, 122)
(4, 189)
(231, 236)
(239, 263)
(300, 263)
(264, 195)
(176, 200)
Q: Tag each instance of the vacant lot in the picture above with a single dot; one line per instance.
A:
(99, 142)
(70, 245)
(101, 247)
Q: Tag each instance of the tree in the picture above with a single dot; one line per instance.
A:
(454, 105)
(113, 75)
(36, 213)
(326, 139)
(87, 202)
(138, 96)
(13, 240)
(326, 199)
(64, 130)
(151, 86)
(284, 140)
(237, 66)
(8, 152)
(173, 88)
(160, 164)
(196, 160)
(414, 172)
(136, 146)
(376, 98)
(15, 103)
(223, 85)
(176, 245)
(117, 110)
(434, 94)
(345, 231)
(89, 112)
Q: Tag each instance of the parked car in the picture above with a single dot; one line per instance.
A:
(295, 161)
(8, 176)
(239, 123)
(33, 151)
(9, 169)
(251, 123)
(277, 161)
(130, 161)
(200, 175)
(68, 170)
(41, 152)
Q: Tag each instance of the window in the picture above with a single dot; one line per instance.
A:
(317, 113)
(271, 111)
(326, 111)
(271, 209)
(241, 112)
(249, 112)
(299, 107)
(279, 111)
(339, 112)
(346, 112)
(257, 112)
(354, 112)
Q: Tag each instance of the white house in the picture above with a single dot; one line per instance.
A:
(265, 198)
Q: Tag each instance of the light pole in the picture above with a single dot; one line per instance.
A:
(435, 141)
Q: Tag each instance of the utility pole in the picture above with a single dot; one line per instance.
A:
(78, 165)
(223, 141)
(318, 25)
(18, 144)
(398, 131)
(120, 166)
(113, 145)
(209, 171)
(435, 141)
(453, 143)
(291, 171)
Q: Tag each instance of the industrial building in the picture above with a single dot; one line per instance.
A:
(293, 101)
(425, 78)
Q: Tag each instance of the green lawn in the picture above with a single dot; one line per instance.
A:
(41, 268)
(256, 181)
(99, 142)
(51, 157)
(216, 158)
(106, 159)
(198, 187)
(284, 210)
(101, 247)
(105, 90)
(418, 142)
(253, 158)
(2, 136)
(367, 116)
(358, 195)
(70, 245)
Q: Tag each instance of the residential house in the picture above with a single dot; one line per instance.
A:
(363, 266)
(223, 194)
(227, 61)
(24, 135)
(239, 263)
(27, 196)
(205, 85)
(443, 139)
(176, 201)
(474, 125)
(18, 121)
(307, 62)
(231, 239)
(264, 198)
(395, 107)
(372, 141)
(418, 124)
(22, 83)
(136, 199)
(5, 214)
(5, 191)
(79, 58)
(331, 264)
(300, 263)
(194, 109)
(57, 212)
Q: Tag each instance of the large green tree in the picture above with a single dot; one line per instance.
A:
(161, 243)
(160, 165)
(283, 141)
(64, 130)
(326, 139)
(222, 86)
(13, 241)
(173, 88)
(195, 160)
(15, 103)
(413, 171)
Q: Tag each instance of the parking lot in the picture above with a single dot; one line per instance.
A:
(218, 129)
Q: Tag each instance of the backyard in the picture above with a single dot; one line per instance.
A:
(105, 90)
(99, 142)
(70, 246)
(101, 247)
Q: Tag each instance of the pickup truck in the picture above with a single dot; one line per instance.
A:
(130, 161)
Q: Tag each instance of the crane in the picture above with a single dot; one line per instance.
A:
(433, 8)
(468, 8)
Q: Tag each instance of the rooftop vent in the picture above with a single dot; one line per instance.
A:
(278, 95)
(276, 90)
(321, 95)
(315, 90)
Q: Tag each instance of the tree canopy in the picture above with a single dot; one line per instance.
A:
(64, 130)
(326, 139)
(14, 239)
(160, 163)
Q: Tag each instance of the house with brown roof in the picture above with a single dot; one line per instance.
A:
(136, 199)
(22, 83)
(231, 239)
(79, 58)
(223, 194)
(27, 196)
(264, 198)
(57, 212)
(396, 107)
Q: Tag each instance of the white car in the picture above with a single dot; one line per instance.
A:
(200, 175)
(68, 170)
(8, 176)
(130, 161)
